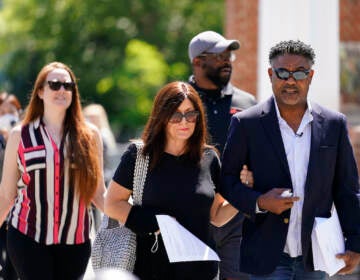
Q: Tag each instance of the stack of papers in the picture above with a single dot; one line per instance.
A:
(180, 244)
(328, 241)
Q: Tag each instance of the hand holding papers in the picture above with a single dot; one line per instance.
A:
(327, 241)
(180, 244)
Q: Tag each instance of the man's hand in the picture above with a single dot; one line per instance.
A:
(351, 259)
(273, 202)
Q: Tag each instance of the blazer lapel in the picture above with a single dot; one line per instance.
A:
(316, 130)
(270, 124)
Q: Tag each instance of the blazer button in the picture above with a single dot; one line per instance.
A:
(286, 220)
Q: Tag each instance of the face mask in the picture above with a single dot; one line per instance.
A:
(7, 121)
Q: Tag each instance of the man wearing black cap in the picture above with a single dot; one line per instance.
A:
(211, 56)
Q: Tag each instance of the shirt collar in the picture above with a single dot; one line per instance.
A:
(227, 90)
(37, 123)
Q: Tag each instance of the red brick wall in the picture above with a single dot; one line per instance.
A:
(349, 20)
(241, 22)
(349, 11)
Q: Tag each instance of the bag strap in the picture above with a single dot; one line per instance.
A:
(140, 172)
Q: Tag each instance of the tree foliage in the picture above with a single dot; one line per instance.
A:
(121, 51)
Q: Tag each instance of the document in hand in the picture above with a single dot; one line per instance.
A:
(327, 241)
(180, 244)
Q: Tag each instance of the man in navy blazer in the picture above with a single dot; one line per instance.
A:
(290, 143)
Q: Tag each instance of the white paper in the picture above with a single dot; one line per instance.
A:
(328, 241)
(180, 244)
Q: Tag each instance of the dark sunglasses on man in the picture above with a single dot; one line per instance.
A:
(190, 117)
(56, 85)
(284, 74)
(220, 56)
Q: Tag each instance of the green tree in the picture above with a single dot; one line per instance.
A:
(121, 51)
(134, 84)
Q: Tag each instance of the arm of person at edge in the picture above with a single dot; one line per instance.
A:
(347, 204)
(98, 198)
(222, 211)
(11, 174)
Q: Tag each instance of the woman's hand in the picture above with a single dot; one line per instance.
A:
(246, 176)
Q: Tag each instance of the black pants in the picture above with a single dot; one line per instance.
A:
(7, 271)
(34, 261)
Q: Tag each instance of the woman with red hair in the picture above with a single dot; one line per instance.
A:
(52, 172)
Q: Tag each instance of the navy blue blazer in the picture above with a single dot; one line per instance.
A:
(255, 139)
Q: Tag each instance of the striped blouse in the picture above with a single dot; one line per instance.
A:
(47, 209)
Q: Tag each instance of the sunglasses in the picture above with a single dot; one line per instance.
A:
(190, 117)
(56, 85)
(220, 56)
(284, 74)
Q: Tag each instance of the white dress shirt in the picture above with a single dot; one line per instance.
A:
(297, 149)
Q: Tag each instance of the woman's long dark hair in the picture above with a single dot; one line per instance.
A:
(167, 100)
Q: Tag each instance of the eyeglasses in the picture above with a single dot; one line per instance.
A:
(284, 74)
(190, 117)
(220, 56)
(56, 85)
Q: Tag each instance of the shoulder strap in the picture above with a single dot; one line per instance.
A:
(140, 172)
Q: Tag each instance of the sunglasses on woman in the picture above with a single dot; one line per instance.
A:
(56, 85)
(190, 117)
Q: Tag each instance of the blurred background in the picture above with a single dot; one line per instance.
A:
(123, 51)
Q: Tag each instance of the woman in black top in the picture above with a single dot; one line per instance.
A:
(182, 181)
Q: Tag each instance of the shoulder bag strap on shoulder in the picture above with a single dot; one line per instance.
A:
(140, 172)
